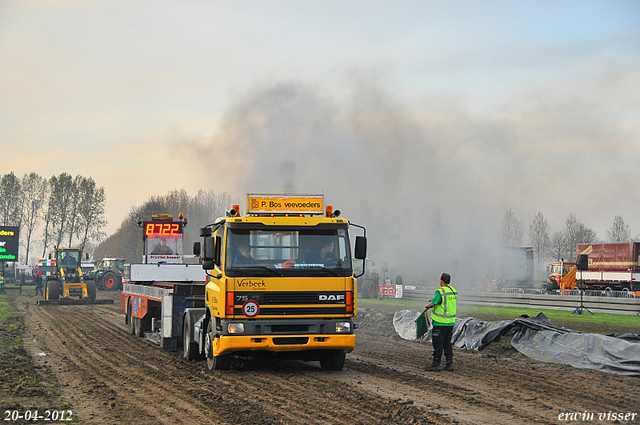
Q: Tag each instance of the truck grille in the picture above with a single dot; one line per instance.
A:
(284, 311)
(285, 303)
(291, 341)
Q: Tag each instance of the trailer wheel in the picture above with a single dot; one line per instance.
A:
(111, 282)
(189, 348)
(332, 360)
(53, 290)
(130, 327)
(608, 292)
(221, 362)
(142, 325)
(91, 289)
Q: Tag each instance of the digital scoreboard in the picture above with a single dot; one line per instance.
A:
(9, 242)
(156, 229)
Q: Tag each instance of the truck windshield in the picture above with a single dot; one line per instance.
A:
(288, 252)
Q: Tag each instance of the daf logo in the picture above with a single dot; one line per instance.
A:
(331, 297)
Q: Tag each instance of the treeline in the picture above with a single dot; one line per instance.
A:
(200, 210)
(67, 210)
(560, 244)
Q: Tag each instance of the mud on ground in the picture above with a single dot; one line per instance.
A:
(81, 358)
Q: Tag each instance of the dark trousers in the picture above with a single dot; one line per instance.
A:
(441, 338)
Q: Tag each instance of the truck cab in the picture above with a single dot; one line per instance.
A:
(557, 271)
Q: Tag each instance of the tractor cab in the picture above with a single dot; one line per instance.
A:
(68, 261)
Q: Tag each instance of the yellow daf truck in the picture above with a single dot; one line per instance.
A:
(280, 282)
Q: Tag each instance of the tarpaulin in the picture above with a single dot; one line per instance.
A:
(468, 333)
(538, 338)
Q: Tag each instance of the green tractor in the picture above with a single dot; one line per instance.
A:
(108, 274)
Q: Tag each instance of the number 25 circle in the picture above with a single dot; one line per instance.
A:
(250, 308)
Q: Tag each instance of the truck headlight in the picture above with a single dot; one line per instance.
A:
(343, 327)
(235, 328)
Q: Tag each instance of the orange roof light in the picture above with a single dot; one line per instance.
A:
(329, 211)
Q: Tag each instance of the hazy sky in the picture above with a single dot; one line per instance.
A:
(439, 114)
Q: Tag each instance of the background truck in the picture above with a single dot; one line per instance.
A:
(611, 266)
(511, 267)
(156, 292)
(562, 276)
(108, 273)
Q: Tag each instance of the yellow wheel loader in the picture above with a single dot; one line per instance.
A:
(67, 280)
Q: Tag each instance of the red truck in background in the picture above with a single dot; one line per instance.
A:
(611, 266)
(562, 276)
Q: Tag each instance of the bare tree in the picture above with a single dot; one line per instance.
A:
(60, 204)
(91, 212)
(72, 211)
(512, 230)
(575, 232)
(11, 201)
(539, 237)
(34, 191)
(619, 231)
(49, 221)
(558, 247)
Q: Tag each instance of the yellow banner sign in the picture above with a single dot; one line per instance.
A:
(285, 204)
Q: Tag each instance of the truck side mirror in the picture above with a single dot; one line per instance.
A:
(196, 248)
(209, 253)
(361, 248)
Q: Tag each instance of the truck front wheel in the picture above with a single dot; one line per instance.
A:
(221, 362)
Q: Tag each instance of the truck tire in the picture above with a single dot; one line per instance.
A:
(130, 327)
(111, 282)
(189, 348)
(140, 326)
(91, 289)
(52, 291)
(222, 362)
(332, 360)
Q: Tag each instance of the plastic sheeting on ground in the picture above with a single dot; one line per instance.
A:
(539, 339)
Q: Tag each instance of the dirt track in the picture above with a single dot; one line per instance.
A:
(109, 377)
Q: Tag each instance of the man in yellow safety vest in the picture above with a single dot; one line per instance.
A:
(443, 317)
